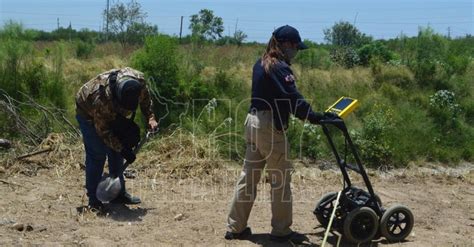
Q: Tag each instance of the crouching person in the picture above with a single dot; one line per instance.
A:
(104, 105)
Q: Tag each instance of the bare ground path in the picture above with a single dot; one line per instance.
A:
(193, 211)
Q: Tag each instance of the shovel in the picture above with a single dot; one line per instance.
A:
(110, 186)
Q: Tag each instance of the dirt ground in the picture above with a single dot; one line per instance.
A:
(192, 211)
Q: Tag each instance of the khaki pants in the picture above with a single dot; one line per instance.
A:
(264, 146)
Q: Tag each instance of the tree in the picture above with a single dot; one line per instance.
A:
(345, 38)
(345, 34)
(127, 21)
(205, 25)
(430, 53)
(137, 32)
(239, 37)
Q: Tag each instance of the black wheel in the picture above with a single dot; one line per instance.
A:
(361, 225)
(377, 198)
(325, 212)
(397, 223)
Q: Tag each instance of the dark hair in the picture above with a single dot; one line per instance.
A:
(273, 54)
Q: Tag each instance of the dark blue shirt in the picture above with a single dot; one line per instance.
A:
(276, 91)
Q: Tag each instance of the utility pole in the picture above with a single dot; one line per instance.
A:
(181, 28)
(449, 32)
(107, 21)
(58, 22)
(70, 31)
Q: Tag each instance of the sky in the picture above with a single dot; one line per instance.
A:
(381, 19)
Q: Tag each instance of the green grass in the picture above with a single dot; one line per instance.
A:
(390, 95)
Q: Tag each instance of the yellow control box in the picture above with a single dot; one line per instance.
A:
(343, 106)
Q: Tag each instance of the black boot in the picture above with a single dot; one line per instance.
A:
(126, 198)
(241, 235)
(96, 206)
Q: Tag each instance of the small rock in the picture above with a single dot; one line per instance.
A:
(18, 226)
(22, 227)
(179, 217)
(29, 228)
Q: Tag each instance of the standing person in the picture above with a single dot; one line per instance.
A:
(102, 107)
(274, 98)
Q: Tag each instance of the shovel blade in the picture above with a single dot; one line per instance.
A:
(108, 189)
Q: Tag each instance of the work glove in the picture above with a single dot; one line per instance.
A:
(331, 116)
(128, 155)
(315, 117)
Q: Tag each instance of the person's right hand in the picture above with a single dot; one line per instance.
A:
(128, 155)
(331, 115)
(315, 117)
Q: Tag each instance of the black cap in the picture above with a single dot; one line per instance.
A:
(289, 33)
(128, 92)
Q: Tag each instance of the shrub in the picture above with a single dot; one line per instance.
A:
(305, 140)
(15, 55)
(53, 88)
(228, 86)
(412, 125)
(35, 76)
(457, 64)
(158, 60)
(399, 76)
(443, 107)
(314, 58)
(346, 57)
(453, 134)
(375, 50)
(21, 73)
(84, 49)
(469, 112)
(444, 99)
(372, 141)
(431, 49)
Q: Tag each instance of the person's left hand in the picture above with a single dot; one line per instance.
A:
(152, 124)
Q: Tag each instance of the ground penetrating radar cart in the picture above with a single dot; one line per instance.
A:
(359, 214)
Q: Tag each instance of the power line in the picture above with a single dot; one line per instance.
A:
(367, 21)
(30, 13)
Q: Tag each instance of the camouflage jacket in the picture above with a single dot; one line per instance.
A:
(94, 102)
